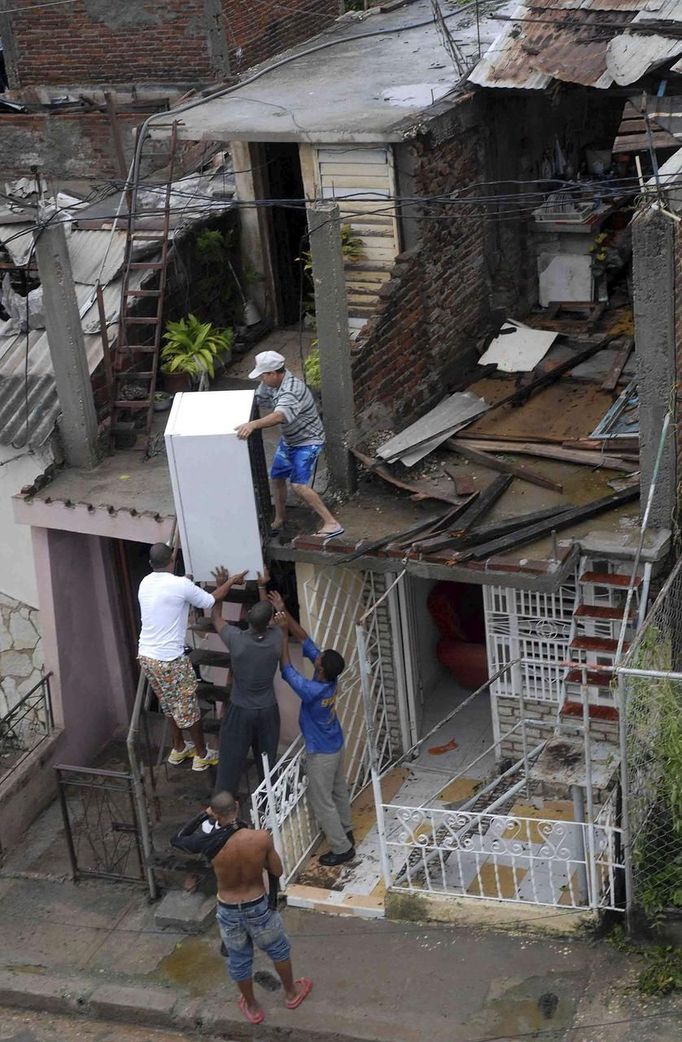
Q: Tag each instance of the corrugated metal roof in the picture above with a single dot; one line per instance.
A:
(587, 42)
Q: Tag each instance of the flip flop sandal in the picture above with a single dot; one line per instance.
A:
(253, 1018)
(306, 986)
(331, 535)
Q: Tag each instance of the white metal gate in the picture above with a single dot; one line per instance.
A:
(336, 602)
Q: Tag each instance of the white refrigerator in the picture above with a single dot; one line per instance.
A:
(213, 482)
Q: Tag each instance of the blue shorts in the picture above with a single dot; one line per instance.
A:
(241, 928)
(296, 462)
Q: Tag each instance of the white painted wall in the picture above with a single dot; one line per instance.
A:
(17, 571)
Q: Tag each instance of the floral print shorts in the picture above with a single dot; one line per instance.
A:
(175, 685)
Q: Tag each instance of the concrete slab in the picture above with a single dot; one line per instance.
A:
(189, 913)
(144, 1005)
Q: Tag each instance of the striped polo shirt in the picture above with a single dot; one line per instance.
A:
(301, 424)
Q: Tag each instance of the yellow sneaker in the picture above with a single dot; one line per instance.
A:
(202, 763)
(176, 757)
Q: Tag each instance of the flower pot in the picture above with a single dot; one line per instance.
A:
(175, 382)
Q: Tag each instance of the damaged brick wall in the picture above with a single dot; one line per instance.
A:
(190, 42)
(432, 312)
(66, 145)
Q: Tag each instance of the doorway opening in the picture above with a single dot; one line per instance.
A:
(288, 228)
(444, 637)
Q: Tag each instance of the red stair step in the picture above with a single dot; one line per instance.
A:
(575, 709)
(610, 579)
(594, 678)
(597, 644)
(599, 611)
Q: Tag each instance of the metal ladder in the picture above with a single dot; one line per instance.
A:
(133, 377)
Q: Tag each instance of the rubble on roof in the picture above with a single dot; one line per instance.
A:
(559, 413)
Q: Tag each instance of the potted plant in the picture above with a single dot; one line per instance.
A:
(191, 349)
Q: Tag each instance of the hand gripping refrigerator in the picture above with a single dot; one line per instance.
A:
(220, 483)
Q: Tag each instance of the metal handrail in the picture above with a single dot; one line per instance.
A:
(137, 774)
(19, 711)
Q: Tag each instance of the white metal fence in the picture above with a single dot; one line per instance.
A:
(503, 857)
(336, 603)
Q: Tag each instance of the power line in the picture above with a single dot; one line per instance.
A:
(35, 7)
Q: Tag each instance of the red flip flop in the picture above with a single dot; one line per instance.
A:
(253, 1018)
(306, 986)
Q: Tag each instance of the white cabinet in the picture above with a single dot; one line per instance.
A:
(213, 485)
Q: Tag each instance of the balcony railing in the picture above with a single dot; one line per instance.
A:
(25, 725)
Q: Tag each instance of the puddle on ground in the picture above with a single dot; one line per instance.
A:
(195, 965)
(540, 1004)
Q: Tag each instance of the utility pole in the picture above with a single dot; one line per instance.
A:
(331, 314)
(78, 423)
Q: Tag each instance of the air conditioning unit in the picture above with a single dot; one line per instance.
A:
(220, 483)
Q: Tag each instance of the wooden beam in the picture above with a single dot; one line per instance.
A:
(512, 524)
(619, 363)
(554, 452)
(469, 517)
(485, 459)
(553, 524)
(418, 492)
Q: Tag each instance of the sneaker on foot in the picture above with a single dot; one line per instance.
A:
(202, 763)
(176, 757)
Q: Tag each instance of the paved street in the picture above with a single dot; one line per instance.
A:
(20, 1025)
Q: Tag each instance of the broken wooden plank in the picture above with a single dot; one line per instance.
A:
(464, 483)
(554, 452)
(485, 459)
(512, 524)
(418, 492)
(440, 526)
(375, 545)
(625, 447)
(553, 524)
(619, 363)
(483, 503)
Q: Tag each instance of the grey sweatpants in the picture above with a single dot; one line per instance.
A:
(329, 797)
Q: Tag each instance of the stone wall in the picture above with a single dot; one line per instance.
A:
(508, 714)
(21, 656)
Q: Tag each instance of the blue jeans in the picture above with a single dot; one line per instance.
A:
(295, 462)
(242, 927)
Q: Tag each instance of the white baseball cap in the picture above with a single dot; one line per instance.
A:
(267, 362)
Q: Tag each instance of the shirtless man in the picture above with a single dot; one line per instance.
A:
(246, 916)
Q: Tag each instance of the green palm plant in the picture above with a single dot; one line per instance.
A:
(192, 346)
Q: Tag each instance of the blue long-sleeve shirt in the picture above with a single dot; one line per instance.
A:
(317, 719)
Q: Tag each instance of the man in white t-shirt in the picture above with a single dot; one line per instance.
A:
(165, 600)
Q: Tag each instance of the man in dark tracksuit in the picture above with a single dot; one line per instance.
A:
(252, 718)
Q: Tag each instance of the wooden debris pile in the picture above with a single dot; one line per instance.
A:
(613, 445)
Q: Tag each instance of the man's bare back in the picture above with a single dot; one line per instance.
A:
(240, 865)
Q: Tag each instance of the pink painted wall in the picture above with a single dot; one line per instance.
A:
(83, 638)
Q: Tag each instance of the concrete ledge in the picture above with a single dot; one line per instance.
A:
(46, 992)
(479, 912)
(149, 1006)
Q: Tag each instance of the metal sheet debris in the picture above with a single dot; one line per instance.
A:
(518, 348)
(432, 429)
(622, 419)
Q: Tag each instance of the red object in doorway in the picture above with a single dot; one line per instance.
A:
(467, 662)
(456, 612)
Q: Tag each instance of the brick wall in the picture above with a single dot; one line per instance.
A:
(188, 42)
(435, 307)
(66, 145)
